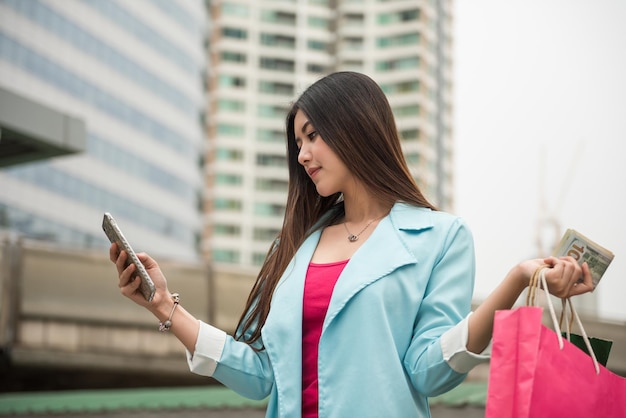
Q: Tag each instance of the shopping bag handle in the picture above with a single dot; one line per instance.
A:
(566, 301)
(539, 278)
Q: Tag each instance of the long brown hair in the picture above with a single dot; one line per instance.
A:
(352, 115)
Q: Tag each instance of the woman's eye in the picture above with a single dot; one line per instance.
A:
(312, 134)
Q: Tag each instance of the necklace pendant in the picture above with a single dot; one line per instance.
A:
(353, 237)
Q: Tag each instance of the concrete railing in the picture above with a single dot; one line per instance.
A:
(63, 307)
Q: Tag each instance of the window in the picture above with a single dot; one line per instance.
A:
(408, 15)
(410, 134)
(319, 22)
(225, 129)
(268, 160)
(265, 234)
(233, 57)
(278, 40)
(277, 64)
(223, 154)
(353, 19)
(398, 40)
(398, 64)
(399, 16)
(410, 86)
(315, 68)
(231, 81)
(272, 111)
(227, 204)
(269, 209)
(270, 135)
(283, 18)
(234, 9)
(355, 65)
(231, 105)
(234, 33)
(273, 87)
(353, 43)
(228, 179)
(226, 256)
(407, 110)
(412, 158)
(317, 45)
(258, 259)
(271, 184)
(226, 230)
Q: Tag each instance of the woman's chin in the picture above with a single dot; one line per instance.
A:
(324, 192)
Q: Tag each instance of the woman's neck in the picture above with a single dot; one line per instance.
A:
(364, 208)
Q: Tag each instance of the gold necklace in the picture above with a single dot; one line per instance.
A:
(352, 237)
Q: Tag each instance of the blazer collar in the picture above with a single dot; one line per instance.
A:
(384, 251)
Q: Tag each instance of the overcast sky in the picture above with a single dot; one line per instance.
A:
(540, 114)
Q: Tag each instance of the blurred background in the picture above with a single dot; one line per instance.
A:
(170, 115)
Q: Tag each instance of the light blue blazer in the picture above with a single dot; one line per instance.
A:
(379, 353)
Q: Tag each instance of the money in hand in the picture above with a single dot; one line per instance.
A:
(583, 249)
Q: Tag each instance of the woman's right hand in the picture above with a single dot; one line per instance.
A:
(129, 281)
(183, 324)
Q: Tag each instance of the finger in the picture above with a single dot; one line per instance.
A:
(557, 285)
(551, 261)
(146, 260)
(571, 270)
(113, 252)
(121, 262)
(586, 284)
(573, 280)
(127, 276)
(579, 289)
(131, 287)
(587, 276)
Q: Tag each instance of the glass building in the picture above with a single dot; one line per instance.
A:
(263, 53)
(134, 73)
(150, 79)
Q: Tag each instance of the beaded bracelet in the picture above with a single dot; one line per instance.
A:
(165, 326)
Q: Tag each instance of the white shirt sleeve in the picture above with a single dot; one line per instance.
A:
(208, 350)
(454, 348)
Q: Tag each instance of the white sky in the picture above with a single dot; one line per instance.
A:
(540, 110)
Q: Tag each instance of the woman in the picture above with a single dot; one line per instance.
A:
(362, 307)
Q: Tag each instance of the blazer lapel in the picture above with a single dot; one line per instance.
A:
(382, 253)
(286, 311)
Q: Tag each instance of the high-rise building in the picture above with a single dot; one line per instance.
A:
(264, 53)
(131, 73)
(135, 74)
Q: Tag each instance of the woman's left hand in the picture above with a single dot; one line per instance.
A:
(565, 277)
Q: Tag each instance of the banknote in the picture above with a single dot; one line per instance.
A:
(582, 249)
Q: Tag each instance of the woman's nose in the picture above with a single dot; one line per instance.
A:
(304, 155)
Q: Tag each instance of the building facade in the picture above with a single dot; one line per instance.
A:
(133, 73)
(263, 54)
(151, 79)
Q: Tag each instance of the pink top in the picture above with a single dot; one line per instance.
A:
(318, 287)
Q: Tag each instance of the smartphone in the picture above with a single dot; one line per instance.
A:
(114, 233)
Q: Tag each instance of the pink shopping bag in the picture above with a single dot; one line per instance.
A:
(531, 377)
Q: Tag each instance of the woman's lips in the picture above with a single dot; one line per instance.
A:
(313, 171)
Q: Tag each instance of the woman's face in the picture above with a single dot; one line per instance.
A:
(323, 166)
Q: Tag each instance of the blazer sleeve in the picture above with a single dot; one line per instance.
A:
(233, 363)
(446, 302)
